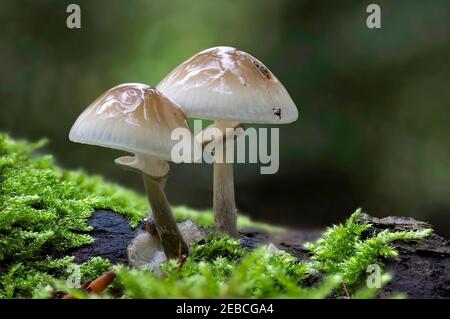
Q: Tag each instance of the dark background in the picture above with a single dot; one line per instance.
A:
(373, 130)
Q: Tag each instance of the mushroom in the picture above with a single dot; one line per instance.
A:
(138, 119)
(228, 86)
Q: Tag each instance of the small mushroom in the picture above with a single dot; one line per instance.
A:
(138, 119)
(228, 86)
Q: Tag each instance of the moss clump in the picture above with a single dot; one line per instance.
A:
(221, 268)
(42, 211)
(342, 249)
(21, 279)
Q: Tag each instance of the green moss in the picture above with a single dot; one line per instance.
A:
(343, 250)
(44, 211)
(221, 268)
(21, 279)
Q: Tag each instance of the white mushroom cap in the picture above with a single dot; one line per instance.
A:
(131, 117)
(227, 84)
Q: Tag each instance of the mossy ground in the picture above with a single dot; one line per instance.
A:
(44, 212)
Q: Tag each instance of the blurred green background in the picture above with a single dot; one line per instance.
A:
(374, 105)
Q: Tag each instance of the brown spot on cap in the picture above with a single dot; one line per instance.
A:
(262, 69)
(277, 112)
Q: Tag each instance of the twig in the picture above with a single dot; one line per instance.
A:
(346, 291)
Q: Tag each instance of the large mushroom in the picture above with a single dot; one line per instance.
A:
(228, 86)
(138, 119)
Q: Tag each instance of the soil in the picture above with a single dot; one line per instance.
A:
(421, 270)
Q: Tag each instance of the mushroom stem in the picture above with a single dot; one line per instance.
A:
(171, 239)
(224, 206)
(154, 172)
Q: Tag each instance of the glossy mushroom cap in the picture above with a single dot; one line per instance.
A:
(131, 117)
(227, 84)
